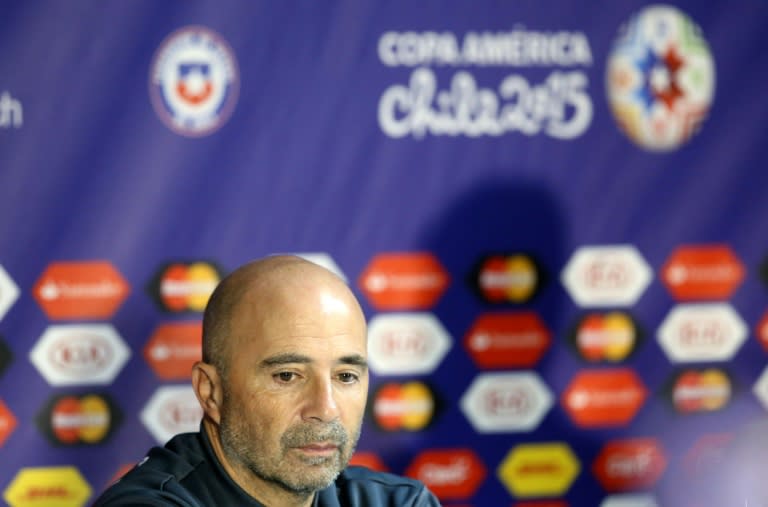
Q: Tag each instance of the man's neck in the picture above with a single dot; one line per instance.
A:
(265, 492)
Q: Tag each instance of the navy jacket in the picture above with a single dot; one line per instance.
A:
(186, 473)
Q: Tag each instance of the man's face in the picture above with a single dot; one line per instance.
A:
(295, 391)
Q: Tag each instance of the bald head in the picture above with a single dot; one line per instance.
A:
(266, 287)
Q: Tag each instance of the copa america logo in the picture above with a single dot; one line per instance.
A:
(660, 78)
(194, 81)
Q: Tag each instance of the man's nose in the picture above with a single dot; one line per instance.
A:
(321, 401)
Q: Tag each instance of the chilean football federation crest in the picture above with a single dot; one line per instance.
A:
(660, 78)
(194, 81)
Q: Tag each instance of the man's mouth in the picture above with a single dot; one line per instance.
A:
(319, 448)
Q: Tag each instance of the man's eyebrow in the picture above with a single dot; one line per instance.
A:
(287, 358)
(293, 358)
(354, 360)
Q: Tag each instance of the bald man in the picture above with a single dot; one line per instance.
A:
(283, 385)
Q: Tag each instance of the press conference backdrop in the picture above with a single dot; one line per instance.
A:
(552, 212)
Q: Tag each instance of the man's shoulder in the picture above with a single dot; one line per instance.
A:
(156, 480)
(362, 486)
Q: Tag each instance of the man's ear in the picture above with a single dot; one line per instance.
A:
(207, 385)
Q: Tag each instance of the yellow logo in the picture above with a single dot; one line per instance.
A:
(47, 487)
(534, 470)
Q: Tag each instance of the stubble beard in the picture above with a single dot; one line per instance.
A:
(310, 474)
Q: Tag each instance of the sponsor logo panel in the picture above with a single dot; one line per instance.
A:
(11, 112)
(660, 78)
(543, 503)
(507, 340)
(630, 464)
(8, 423)
(695, 390)
(325, 260)
(60, 486)
(172, 409)
(760, 388)
(539, 470)
(605, 337)
(80, 290)
(369, 460)
(630, 500)
(173, 348)
(6, 356)
(702, 332)
(451, 474)
(404, 281)
(506, 402)
(604, 398)
(507, 278)
(610, 275)
(702, 272)
(706, 454)
(558, 106)
(409, 406)
(180, 287)
(79, 354)
(406, 343)
(9, 291)
(194, 81)
(83, 419)
(761, 331)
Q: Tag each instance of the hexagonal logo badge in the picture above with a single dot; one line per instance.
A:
(369, 460)
(9, 292)
(760, 389)
(78, 354)
(701, 332)
(408, 406)
(6, 356)
(605, 337)
(62, 486)
(702, 272)
(507, 278)
(325, 260)
(404, 281)
(76, 420)
(173, 348)
(184, 286)
(706, 454)
(600, 276)
(507, 340)
(406, 343)
(539, 470)
(506, 402)
(451, 474)
(697, 390)
(630, 464)
(171, 410)
(91, 290)
(7, 422)
(604, 398)
(630, 500)
(761, 331)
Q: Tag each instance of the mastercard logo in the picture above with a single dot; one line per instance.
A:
(605, 337)
(511, 278)
(705, 390)
(180, 287)
(403, 407)
(74, 420)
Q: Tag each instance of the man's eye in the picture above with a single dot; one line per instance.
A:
(348, 377)
(285, 376)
